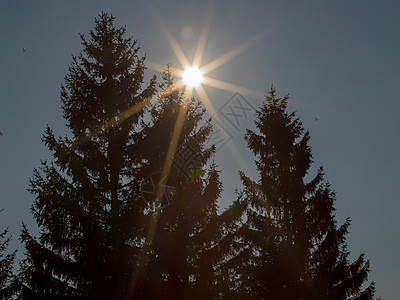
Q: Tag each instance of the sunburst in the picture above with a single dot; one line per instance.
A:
(192, 77)
(199, 71)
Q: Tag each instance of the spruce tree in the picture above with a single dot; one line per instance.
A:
(183, 232)
(87, 214)
(291, 247)
(6, 266)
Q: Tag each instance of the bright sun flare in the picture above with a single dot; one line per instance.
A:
(192, 77)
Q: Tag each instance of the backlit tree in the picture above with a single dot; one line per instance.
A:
(291, 245)
(85, 209)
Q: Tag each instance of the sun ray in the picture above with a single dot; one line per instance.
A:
(115, 120)
(178, 85)
(172, 148)
(172, 41)
(207, 103)
(160, 68)
(130, 112)
(198, 56)
(161, 185)
(234, 52)
(164, 177)
(231, 87)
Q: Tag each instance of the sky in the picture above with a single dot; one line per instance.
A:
(338, 61)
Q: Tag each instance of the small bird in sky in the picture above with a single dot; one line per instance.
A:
(316, 118)
(1, 132)
(23, 49)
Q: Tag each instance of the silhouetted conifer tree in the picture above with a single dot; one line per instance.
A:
(6, 266)
(291, 246)
(184, 232)
(87, 214)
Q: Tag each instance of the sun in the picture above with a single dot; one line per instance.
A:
(192, 77)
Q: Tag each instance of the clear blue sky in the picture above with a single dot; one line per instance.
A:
(338, 60)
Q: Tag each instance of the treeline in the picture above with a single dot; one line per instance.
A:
(122, 217)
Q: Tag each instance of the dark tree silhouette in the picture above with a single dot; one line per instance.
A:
(291, 246)
(84, 206)
(183, 235)
(6, 266)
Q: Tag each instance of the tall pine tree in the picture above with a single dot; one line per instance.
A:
(184, 232)
(84, 206)
(291, 245)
